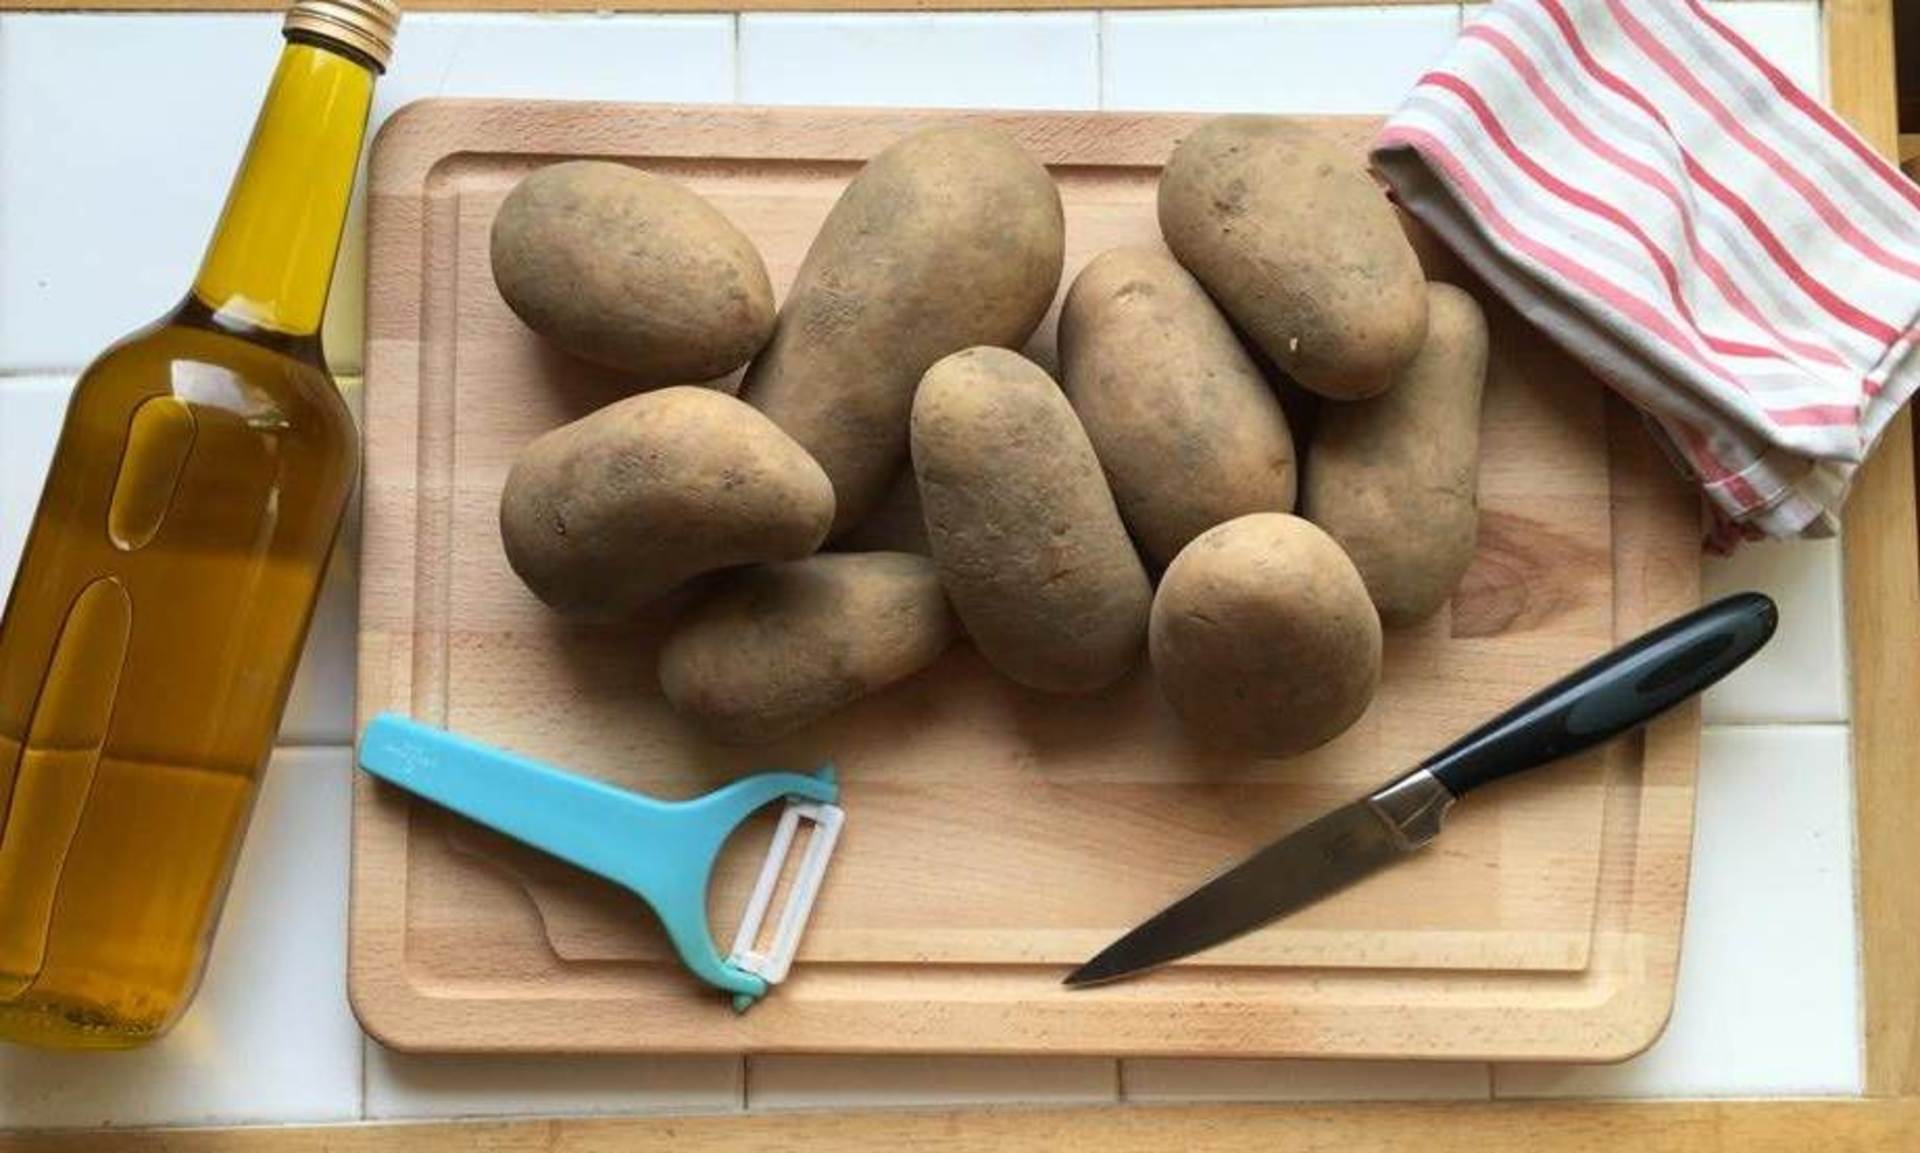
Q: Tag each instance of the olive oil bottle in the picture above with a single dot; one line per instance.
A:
(164, 592)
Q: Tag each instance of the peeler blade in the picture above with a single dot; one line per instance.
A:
(771, 966)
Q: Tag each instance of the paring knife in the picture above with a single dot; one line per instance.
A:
(1620, 691)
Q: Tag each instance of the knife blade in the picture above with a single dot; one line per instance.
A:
(1615, 693)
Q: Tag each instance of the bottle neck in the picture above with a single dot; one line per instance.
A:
(271, 258)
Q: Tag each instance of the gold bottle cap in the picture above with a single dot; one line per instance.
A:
(366, 26)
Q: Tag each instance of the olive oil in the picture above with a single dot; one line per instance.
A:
(165, 589)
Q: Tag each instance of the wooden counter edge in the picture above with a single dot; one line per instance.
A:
(1882, 582)
(1429, 1127)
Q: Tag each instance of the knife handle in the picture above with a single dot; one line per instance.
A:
(1622, 690)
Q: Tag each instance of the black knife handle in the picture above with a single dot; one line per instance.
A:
(1621, 690)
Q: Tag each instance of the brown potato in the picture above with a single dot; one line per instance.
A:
(1300, 248)
(1394, 478)
(895, 525)
(950, 238)
(607, 513)
(631, 271)
(1263, 638)
(774, 648)
(1029, 544)
(1186, 427)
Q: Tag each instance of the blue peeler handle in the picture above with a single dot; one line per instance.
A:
(663, 851)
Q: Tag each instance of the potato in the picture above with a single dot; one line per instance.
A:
(950, 238)
(1026, 536)
(895, 525)
(631, 271)
(774, 648)
(1184, 424)
(1394, 478)
(1262, 636)
(607, 513)
(1300, 248)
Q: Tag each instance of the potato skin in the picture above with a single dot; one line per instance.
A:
(773, 648)
(1263, 638)
(895, 525)
(1184, 424)
(951, 237)
(1302, 251)
(607, 513)
(1026, 536)
(631, 271)
(1394, 478)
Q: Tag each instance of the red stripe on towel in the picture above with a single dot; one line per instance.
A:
(1652, 178)
(1594, 205)
(1823, 207)
(1776, 252)
(1813, 110)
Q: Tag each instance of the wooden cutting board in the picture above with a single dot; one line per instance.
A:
(994, 837)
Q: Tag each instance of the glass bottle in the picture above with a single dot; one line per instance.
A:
(166, 585)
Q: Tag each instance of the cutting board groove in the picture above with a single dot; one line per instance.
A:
(994, 836)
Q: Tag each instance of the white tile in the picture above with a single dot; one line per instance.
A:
(1326, 60)
(270, 1037)
(31, 408)
(1802, 673)
(1768, 1001)
(573, 56)
(949, 60)
(429, 1085)
(1163, 1080)
(846, 1082)
(118, 137)
(568, 56)
(1787, 32)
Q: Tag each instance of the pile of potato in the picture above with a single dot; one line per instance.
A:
(1048, 507)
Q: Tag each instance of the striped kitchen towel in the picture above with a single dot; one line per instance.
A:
(1638, 182)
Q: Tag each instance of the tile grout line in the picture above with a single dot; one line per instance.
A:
(1825, 78)
(1722, 726)
(1859, 923)
(1100, 96)
(1851, 774)
(739, 79)
(345, 745)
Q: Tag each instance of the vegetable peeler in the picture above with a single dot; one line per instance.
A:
(662, 851)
